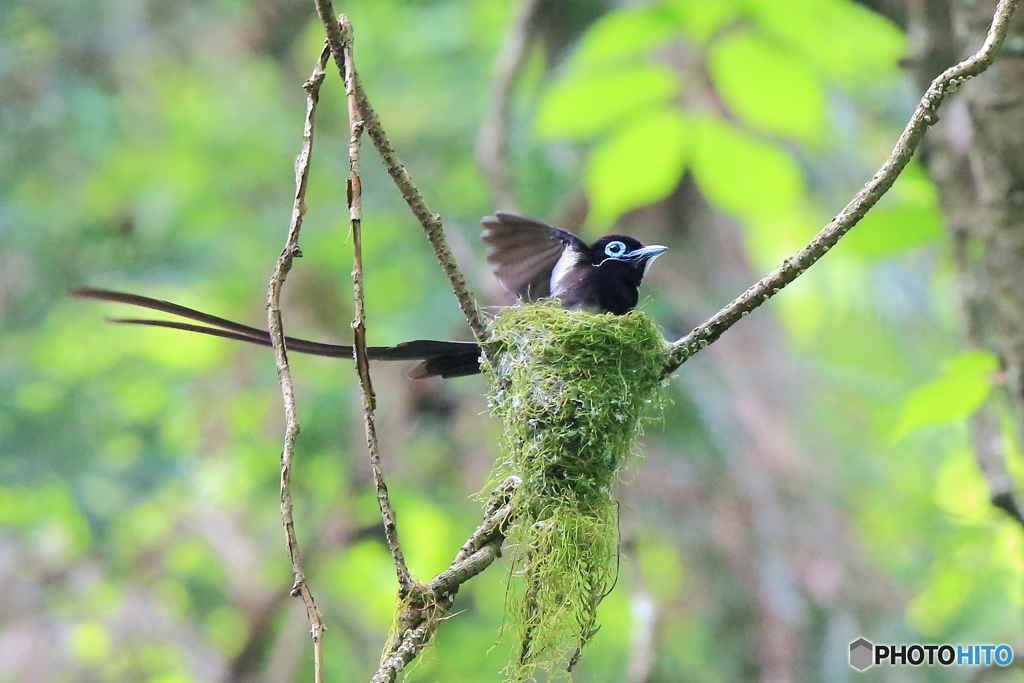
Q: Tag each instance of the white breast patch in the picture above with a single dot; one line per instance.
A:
(566, 261)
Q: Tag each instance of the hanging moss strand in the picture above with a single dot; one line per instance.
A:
(572, 389)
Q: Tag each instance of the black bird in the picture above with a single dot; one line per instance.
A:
(536, 260)
(532, 259)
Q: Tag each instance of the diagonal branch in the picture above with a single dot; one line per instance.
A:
(429, 604)
(276, 327)
(423, 606)
(430, 222)
(925, 116)
(355, 211)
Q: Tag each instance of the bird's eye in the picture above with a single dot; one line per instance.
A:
(615, 249)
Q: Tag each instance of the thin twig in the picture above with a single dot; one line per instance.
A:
(430, 222)
(359, 322)
(923, 118)
(492, 144)
(276, 327)
(429, 604)
(424, 606)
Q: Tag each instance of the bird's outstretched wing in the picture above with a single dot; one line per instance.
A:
(525, 252)
(440, 358)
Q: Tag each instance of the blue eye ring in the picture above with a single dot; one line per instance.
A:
(615, 249)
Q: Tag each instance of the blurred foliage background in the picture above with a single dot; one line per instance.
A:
(811, 483)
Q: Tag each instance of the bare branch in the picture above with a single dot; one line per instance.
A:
(359, 323)
(276, 327)
(430, 222)
(923, 118)
(424, 606)
(428, 605)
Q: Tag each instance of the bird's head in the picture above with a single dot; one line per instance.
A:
(623, 254)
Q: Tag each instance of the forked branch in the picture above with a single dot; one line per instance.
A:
(431, 222)
(425, 605)
(428, 604)
(355, 211)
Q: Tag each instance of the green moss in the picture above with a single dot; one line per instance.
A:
(571, 389)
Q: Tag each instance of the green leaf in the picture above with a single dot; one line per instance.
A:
(637, 165)
(699, 20)
(745, 177)
(960, 390)
(768, 88)
(584, 104)
(623, 33)
(838, 38)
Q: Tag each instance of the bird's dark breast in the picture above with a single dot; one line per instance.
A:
(600, 291)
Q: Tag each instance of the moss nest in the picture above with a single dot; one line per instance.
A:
(572, 389)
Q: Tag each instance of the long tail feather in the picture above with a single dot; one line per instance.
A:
(441, 358)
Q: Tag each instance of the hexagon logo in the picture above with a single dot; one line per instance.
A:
(861, 652)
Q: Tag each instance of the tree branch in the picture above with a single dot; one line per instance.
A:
(355, 211)
(427, 605)
(276, 328)
(923, 118)
(424, 606)
(430, 222)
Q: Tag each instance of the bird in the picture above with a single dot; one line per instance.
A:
(532, 260)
